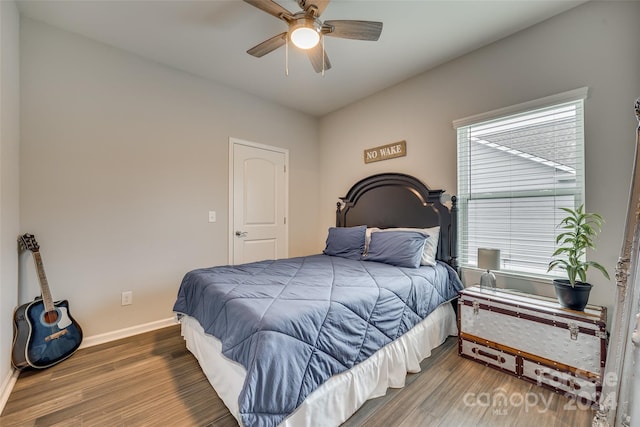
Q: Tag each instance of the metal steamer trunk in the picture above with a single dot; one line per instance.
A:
(535, 339)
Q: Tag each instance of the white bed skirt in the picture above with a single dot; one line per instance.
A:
(339, 397)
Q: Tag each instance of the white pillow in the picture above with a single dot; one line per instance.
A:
(430, 247)
(367, 237)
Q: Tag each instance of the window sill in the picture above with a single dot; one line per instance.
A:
(512, 275)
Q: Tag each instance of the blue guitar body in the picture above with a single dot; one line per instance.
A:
(43, 339)
(44, 333)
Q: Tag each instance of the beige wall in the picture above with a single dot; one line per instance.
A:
(9, 176)
(121, 160)
(593, 45)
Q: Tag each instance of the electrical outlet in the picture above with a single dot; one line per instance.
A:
(212, 216)
(127, 298)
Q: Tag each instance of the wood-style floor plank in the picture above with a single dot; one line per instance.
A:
(152, 380)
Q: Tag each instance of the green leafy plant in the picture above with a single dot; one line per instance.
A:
(581, 230)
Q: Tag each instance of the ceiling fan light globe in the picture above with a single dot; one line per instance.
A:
(305, 37)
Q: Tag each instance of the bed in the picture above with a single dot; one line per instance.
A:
(307, 340)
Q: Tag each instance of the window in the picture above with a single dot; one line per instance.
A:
(516, 168)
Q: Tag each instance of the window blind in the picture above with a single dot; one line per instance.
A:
(514, 173)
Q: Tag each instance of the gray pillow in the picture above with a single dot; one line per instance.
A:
(399, 248)
(346, 242)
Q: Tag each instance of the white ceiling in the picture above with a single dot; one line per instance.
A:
(209, 38)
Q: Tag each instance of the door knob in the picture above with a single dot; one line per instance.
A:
(241, 234)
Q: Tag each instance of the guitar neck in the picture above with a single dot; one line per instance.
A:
(44, 285)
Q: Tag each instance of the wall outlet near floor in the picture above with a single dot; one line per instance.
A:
(127, 297)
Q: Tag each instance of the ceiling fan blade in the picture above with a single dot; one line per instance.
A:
(271, 7)
(315, 55)
(357, 30)
(318, 6)
(267, 46)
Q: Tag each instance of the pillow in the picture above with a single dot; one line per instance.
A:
(367, 238)
(346, 242)
(430, 246)
(399, 248)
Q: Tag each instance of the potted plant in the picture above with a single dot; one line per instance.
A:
(581, 229)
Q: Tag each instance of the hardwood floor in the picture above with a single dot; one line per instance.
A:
(152, 380)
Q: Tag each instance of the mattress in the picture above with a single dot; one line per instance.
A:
(339, 397)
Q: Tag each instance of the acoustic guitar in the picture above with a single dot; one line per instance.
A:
(44, 333)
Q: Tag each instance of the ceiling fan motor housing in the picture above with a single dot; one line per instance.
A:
(305, 31)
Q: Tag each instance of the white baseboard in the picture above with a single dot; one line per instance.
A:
(127, 332)
(7, 387)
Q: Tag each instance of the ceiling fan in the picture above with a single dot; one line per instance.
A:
(306, 30)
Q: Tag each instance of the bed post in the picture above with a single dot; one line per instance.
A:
(453, 235)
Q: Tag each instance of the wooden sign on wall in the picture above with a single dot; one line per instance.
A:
(385, 152)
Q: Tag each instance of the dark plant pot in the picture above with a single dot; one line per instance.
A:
(572, 297)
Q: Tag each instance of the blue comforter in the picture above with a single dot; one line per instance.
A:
(293, 323)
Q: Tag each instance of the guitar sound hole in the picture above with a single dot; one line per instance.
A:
(51, 316)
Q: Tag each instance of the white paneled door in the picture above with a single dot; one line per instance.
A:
(258, 202)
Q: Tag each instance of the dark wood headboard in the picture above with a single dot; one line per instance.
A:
(398, 200)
